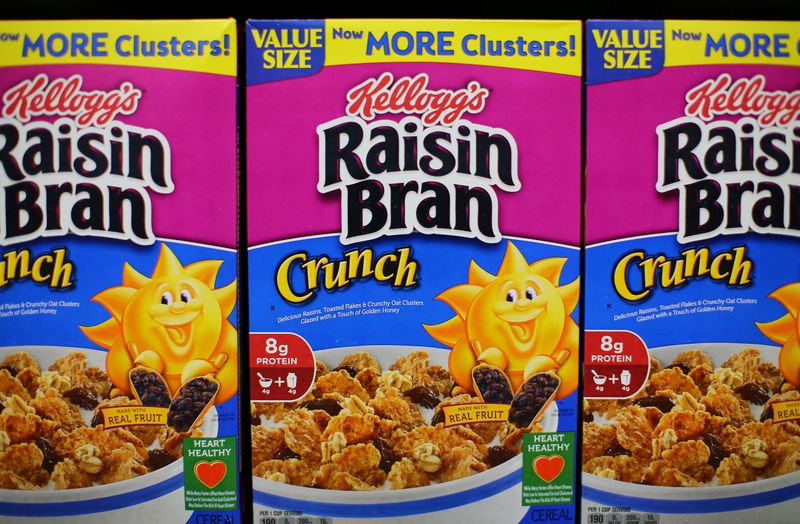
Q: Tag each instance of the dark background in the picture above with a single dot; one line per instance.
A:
(658, 9)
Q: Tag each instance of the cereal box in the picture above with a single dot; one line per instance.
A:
(413, 227)
(692, 359)
(118, 287)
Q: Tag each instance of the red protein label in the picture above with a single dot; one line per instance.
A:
(281, 367)
(616, 364)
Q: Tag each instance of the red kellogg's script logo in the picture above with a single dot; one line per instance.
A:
(745, 96)
(412, 96)
(63, 96)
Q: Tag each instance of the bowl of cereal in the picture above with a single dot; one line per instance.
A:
(56, 450)
(699, 438)
(371, 432)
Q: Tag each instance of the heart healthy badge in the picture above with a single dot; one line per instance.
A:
(209, 468)
(548, 468)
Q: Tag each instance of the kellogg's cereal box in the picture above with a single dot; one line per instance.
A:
(413, 228)
(118, 289)
(692, 349)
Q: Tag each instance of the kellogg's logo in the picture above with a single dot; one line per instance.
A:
(411, 96)
(436, 173)
(85, 173)
(745, 96)
(733, 176)
(63, 96)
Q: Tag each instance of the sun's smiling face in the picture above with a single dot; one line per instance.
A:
(173, 313)
(510, 311)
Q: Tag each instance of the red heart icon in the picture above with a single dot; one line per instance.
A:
(548, 468)
(210, 473)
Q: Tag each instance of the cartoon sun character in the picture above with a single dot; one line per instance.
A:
(518, 320)
(785, 331)
(174, 322)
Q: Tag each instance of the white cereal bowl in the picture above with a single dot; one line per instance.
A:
(95, 498)
(401, 502)
(765, 501)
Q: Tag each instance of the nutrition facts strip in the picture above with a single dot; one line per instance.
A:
(295, 520)
(623, 518)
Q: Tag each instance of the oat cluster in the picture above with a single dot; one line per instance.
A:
(694, 425)
(361, 428)
(52, 434)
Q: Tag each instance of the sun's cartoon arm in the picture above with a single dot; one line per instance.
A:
(228, 372)
(222, 364)
(462, 360)
(147, 358)
(200, 367)
(491, 355)
(542, 363)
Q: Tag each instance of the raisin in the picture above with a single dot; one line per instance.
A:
(97, 419)
(424, 396)
(717, 451)
(328, 405)
(10, 370)
(189, 403)
(82, 398)
(387, 454)
(531, 398)
(438, 417)
(660, 402)
(753, 393)
(588, 416)
(285, 453)
(352, 371)
(683, 366)
(492, 384)
(255, 419)
(498, 455)
(767, 414)
(150, 387)
(158, 458)
(51, 458)
(616, 450)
